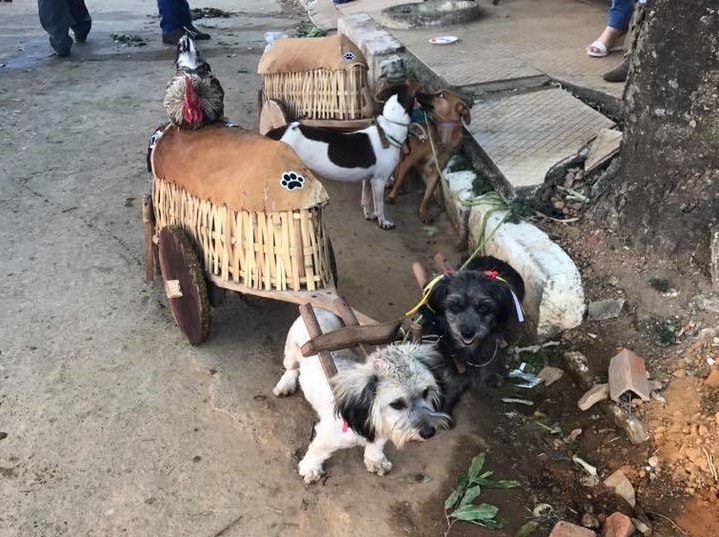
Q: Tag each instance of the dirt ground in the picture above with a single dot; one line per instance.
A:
(675, 330)
(115, 426)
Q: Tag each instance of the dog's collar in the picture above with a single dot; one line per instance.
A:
(449, 123)
(385, 138)
(401, 124)
(392, 140)
(485, 364)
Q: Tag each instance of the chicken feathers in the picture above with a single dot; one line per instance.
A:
(194, 97)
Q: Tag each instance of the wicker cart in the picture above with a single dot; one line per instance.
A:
(320, 81)
(239, 211)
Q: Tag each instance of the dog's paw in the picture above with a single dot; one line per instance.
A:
(370, 216)
(310, 471)
(287, 385)
(425, 217)
(379, 467)
(386, 224)
(281, 390)
(389, 199)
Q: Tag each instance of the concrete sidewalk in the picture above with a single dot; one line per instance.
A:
(513, 49)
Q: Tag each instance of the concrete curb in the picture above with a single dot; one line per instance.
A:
(554, 299)
(378, 45)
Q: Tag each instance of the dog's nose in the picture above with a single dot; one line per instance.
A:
(427, 432)
(467, 333)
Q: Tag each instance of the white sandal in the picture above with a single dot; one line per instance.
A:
(601, 49)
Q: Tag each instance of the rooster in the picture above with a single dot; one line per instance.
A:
(194, 97)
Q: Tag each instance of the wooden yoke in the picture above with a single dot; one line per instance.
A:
(347, 314)
(420, 274)
(313, 327)
(442, 266)
(351, 336)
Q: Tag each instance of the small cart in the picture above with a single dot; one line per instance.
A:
(319, 81)
(237, 210)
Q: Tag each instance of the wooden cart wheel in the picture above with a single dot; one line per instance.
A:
(185, 284)
(273, 115)
(149, 253)
(333, 262)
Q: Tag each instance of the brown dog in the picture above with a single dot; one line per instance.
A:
(446, 110)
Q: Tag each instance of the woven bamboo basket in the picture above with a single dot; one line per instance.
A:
(247, 227)
(322, 78)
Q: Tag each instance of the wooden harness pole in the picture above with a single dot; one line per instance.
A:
(347, 314)
(313, 328)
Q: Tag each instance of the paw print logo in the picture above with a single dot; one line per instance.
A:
(348, 56)
(292, 180)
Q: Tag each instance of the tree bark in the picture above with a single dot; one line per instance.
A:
(666, 196)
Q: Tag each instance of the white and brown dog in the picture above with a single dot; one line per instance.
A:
(369, 155)
(393, 396)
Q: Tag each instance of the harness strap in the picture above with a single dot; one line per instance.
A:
(387, 139)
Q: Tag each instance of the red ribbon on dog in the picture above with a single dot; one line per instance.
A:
(494, 274)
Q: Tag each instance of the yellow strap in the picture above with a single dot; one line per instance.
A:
(426, 292)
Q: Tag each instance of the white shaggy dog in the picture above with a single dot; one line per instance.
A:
(369, 155)
(393, 396)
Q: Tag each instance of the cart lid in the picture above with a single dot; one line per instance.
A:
(296, 55)
(237, 168)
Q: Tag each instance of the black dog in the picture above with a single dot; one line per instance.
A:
(474, 311)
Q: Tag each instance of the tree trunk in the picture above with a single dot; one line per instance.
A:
(666, 196)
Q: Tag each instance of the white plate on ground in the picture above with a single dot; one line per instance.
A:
(444, 40)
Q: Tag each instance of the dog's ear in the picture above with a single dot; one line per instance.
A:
(463, 112)
(501, 294)
(354, 391)
(386, 91)
(439, 294)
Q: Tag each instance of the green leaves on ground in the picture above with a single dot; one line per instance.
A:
(469, 485)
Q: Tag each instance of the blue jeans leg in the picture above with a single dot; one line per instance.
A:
(81, 19)
(56, 19)
(174, 15)
(619, 14)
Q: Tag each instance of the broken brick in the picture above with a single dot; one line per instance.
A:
(567, 529)
(627, 372)
(618, 525)
(599, 392)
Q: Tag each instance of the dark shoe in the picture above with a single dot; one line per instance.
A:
(173, 37)
(81, 31)
(62, 48)
(196, 34)
(619, 73)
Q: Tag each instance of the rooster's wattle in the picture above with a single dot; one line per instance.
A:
(194, 97)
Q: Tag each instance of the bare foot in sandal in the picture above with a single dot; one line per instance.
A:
(606, 42)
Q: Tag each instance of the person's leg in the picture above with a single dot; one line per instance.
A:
(175, 18)
(56, 19)
(617, 23)
(82, 19)
(620, 72)
(620, 12)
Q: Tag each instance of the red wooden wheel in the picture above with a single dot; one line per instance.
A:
(185, 285)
